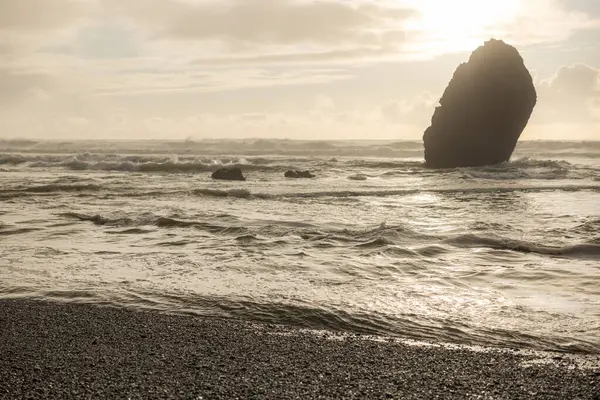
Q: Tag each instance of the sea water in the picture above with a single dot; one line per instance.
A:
(505, 255)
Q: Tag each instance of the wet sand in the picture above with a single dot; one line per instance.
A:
(54, 350)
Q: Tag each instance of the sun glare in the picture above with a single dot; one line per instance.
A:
(459, 25)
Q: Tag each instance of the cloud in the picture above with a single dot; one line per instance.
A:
(107, 40)
(578, 80)
(416, 111)
(546, 21)
(594, 105)
(324, 103)
(281, 22)
(272, 67)
(192, 45)
(234, 33)
(14, 85)
(184, 81)
(303, 57)
(39, 15)
(77, 122)
(572, 94)
(461, 25)
(252, 117)
(26, 25)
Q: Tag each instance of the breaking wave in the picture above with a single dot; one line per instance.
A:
(404, 325)
(583, 250)
(376, 148)
(382, 237)
(247, 194)
(150, 220)
(524, 168)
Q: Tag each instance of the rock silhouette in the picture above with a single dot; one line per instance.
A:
(299, 174)
(229, 174)
(483, 111)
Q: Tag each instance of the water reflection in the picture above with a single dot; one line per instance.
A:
(494, 202)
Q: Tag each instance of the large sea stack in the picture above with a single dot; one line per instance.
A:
(483, 111)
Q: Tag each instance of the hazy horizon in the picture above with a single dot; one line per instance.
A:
(288, 69)
(256, 138)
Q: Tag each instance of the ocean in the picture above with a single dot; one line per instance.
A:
(505, 255)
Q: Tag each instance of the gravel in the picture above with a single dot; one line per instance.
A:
(63, 351)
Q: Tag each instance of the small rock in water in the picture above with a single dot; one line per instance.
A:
(299, 174)
(229, 174)
(483, 111)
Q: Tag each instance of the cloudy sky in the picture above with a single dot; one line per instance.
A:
(279, 68)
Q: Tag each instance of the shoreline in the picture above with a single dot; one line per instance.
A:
(67, 350)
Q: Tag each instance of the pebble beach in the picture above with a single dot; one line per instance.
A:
(75, 351)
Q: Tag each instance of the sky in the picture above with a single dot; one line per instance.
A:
(300, 69)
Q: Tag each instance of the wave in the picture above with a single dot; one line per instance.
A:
(382, 164)
(525, 169)
(247, 194)
(527, 162)
(270, 146)
(48, 189)
(201, 164)
(517, 169)
(239, 193)
(4, 231)
(406, 192)
(257, 147)
(378, 242)
(356, 168)
(522, 163)
(592, 226)
(9, 159)
(559, 145)
(380, 238)
(583, 250)
(129, 166)
(146, 163)
(402, 325)
(223, 224)
(566, 154)
(175, 167)
(98, 219)
(158, 221)
(62, 188)
(131, 231)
